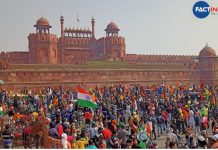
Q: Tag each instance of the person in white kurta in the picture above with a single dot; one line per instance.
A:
(64, 140)
(191, 120)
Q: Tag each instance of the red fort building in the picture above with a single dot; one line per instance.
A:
(75, 45)
(78, 46)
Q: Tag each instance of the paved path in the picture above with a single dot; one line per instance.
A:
(161, 140)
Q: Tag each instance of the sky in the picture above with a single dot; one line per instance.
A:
(153, 27)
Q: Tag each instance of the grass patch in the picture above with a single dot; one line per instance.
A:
(95, 65)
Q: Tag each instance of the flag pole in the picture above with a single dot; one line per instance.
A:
(77, 17)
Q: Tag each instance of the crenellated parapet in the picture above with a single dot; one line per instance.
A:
(15, 57)
(112, 40)
(160, 58)
(76, 41)
(42, 37)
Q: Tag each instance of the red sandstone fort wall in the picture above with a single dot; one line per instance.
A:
(18, 79)
(76, 50)
(15, 57)
(42, 48)
(173, 59)
(42, 37)
(69, 41)
(112, 47)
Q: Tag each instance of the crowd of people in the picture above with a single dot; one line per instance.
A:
(126, 116)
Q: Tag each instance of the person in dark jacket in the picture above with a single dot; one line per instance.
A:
(197, 124)
(7, 138)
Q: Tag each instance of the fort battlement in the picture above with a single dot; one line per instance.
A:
(42, 37)
(160, 58)
(19, 78)
(112, 40)
(15, 57)
(76, 41)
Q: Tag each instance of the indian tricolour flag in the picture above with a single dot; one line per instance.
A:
(84, 99)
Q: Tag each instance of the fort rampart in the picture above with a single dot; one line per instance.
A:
(91, 77)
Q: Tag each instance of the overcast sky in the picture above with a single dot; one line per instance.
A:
(149, 26)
